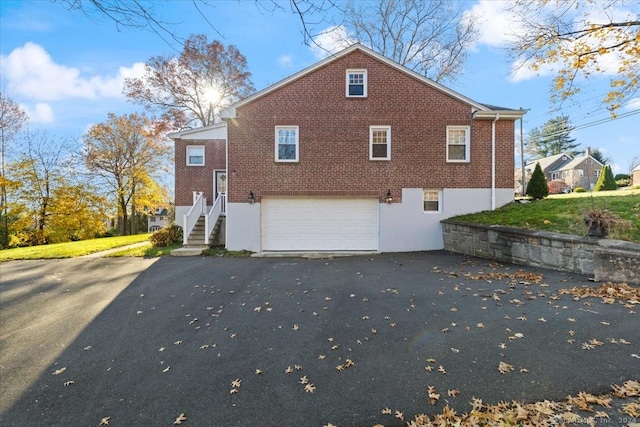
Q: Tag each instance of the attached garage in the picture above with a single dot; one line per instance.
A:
(319, 224)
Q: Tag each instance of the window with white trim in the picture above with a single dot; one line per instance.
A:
(356, 84)
(431, 200)
(458, 143)
(286, 144)
(195, 155)
(379, 142)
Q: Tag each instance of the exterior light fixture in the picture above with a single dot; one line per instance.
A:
(388, 198)
(252, 198)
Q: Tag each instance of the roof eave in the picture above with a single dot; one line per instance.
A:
(500, 114)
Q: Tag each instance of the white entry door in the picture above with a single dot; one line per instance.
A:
(319, 224)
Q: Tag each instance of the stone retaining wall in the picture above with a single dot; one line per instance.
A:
(605, 259)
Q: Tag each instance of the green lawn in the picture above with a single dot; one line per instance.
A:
(71, 249)
(563, 213)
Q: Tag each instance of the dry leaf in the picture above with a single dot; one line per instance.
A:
(304, 380)
(105, 421)
(68, 383)
(399, 415)
(453, 393)
(386, 411)
(236, 383)
(180, 419)
(441, 369)
(288, 370)
(505, 368)
(59, 371)
(309, 388)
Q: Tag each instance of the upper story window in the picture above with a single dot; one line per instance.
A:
(356, 83)
(195, 155)
(431, 200)
(380, 143)
(286, 143)
(458, 143)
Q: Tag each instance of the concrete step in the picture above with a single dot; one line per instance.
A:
(189, 250)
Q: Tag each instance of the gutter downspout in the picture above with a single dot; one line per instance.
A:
(493, 162)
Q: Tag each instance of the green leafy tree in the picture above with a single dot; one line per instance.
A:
(12, 119)
(606, 182)
(553, 138)
(537, 187)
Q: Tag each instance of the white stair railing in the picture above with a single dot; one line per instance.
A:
(189, 220)
(211, 218)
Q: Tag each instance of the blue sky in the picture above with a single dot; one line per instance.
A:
(66, 69)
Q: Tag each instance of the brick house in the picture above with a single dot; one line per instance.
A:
(354, 153)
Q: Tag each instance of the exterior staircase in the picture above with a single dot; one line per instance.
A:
(195, 241)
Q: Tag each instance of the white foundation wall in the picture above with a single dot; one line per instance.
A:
(404, 227)
(243, 227)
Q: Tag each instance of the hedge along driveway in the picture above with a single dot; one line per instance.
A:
(186, 332)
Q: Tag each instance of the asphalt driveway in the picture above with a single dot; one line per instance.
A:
(293, 342)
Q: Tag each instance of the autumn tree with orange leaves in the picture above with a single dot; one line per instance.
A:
(191, 89)
(581, 39)
(128, 153)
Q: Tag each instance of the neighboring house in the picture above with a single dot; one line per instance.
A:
(636, 175)
(576, 171)
(158, 220)
(355, 153)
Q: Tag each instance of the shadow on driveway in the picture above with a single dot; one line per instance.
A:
(178, 336)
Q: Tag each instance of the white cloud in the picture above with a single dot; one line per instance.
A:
(497, 25)
(330, 41)
(31, 72)
(633, 104)
(285, 61)
(41, 113)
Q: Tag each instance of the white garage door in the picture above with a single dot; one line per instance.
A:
(319, 224)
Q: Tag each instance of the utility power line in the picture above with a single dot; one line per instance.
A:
(594, 123)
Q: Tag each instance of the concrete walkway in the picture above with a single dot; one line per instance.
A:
(114, 250)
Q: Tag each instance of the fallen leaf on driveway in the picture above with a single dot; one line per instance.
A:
(180, 419)
(59, 371)
(105, 421)
(505, 368)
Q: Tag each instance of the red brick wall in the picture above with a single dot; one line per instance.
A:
(334, 137)
(197, 178)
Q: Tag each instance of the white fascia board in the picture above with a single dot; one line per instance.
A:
(230, 112)
(217, 131)
(501, 114)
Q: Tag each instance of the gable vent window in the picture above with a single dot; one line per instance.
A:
(356, 83)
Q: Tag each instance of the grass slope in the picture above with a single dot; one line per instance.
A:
(563, 214)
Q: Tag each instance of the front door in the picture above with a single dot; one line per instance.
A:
(220, 184)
